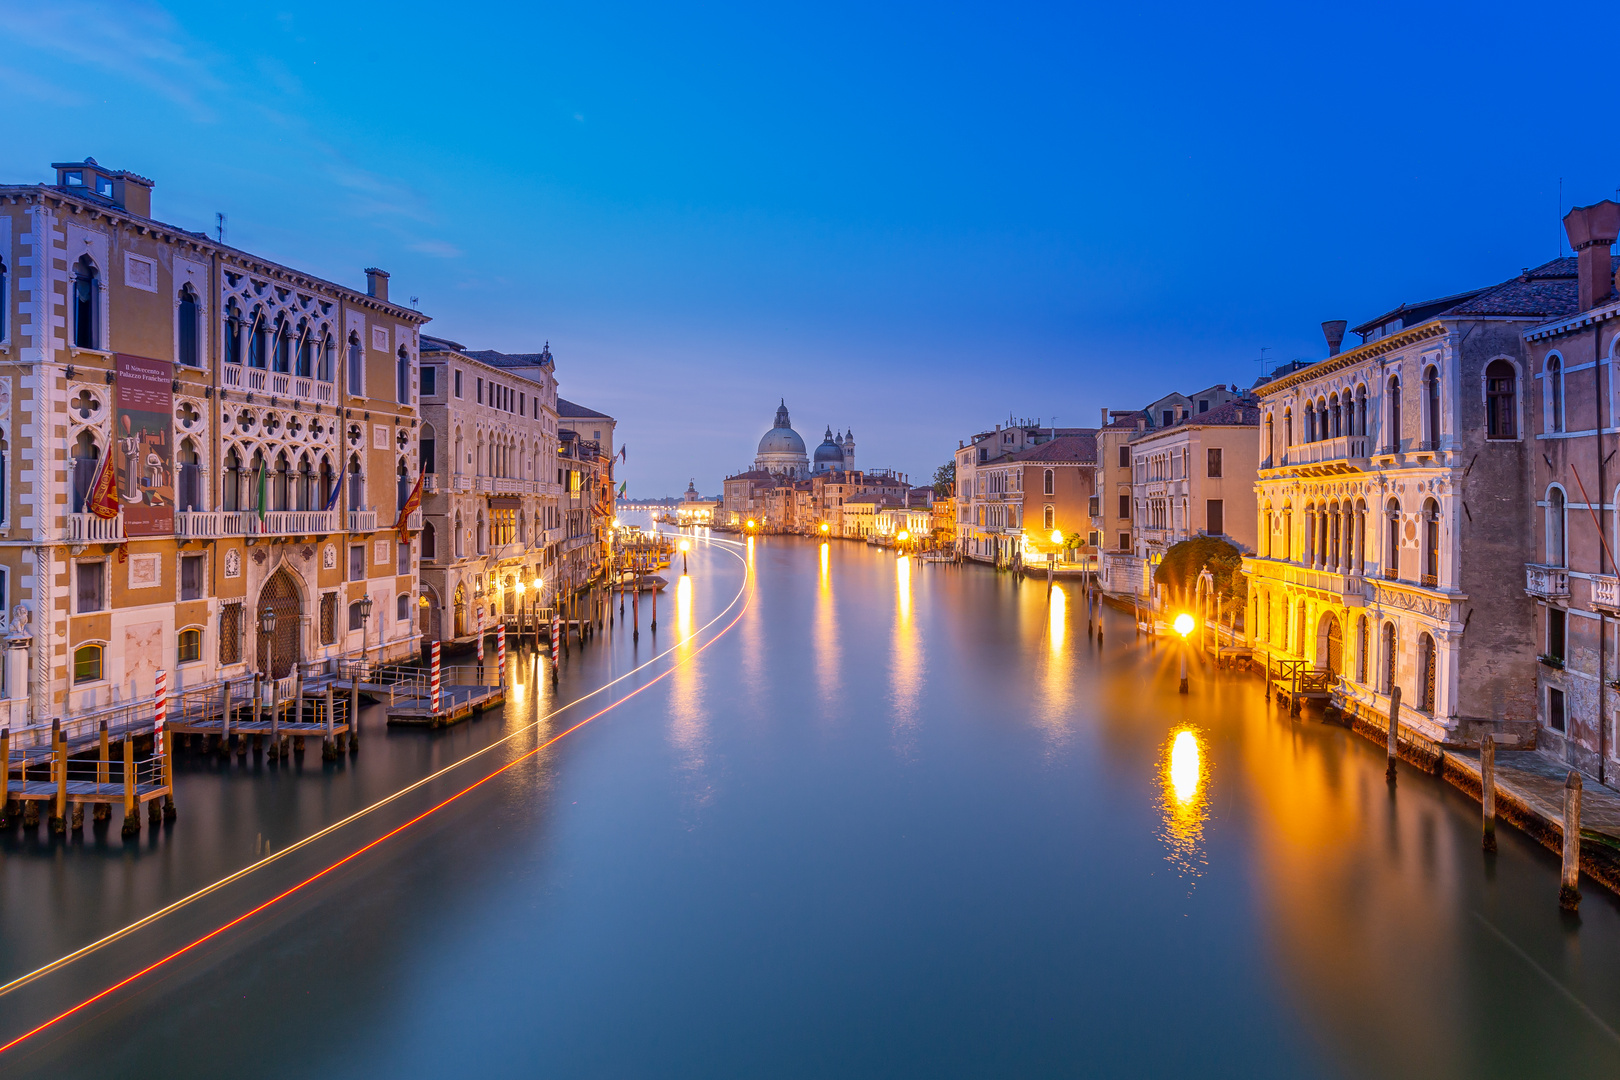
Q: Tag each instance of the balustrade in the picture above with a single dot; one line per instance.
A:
(1546, 581)
(362, 521)
(1323, 451)
(90, 529)
(1606, 592)
(258, 380)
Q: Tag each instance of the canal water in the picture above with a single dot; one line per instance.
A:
(857, 817)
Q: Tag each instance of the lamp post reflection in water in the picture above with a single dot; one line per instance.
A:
(1185, 801)
(683, 608)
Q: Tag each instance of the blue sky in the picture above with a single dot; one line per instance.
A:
(909, 220)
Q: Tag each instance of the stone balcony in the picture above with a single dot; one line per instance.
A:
(208, 524)
(90, 529)
(1606, 593)
(1347, 453)
(279, 384)
(1546, 582)
(362, 521)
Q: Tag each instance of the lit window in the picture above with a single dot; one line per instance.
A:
(190, 646)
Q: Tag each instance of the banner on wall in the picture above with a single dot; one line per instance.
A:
(143, 444)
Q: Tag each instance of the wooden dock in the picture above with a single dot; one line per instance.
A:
(456, 703)
(407, 691)
(70, 784)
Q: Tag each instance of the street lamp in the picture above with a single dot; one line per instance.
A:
(267, 630)
(1184, 625)
(825, 528)
(750, 523)
(686, 545)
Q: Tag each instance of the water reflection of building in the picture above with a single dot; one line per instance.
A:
(273, 421)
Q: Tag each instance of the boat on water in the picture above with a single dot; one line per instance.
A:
(641, 582)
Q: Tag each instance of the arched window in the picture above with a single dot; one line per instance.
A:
(1358, 554)
(1334, 541)
(284, 345)
(1048, 518)
(233, 333)
(1554, 378)
(189, 648)
(1557, 549)
(1428, 663)
(258, 341)
(355, 484)
(1392, 438)
(1361, 411)
(1431, 407)
(402, 608)
(1501, 400)
(1337, 414)
(460, 534)
(1431, 544)
(1310, 421)
(4, 307)
(304, 364)
(230, 495)
(327, 481)
(323, 366)
(306, 485)
(1267, 524)
(427, 449)
(1361, 649)
(1287, 534)
(1392, 548)
(86, 664)
(86, 456)
(478, 536)
(281, 483)
(186, 331)
(1271, 441)
(1389, 658)
(402, 376)
(190, 476)
(357, 367)
(430, 545)
(1310, 534)
(1047, 482)
(402, 486)
(86, 304)
(357, 621)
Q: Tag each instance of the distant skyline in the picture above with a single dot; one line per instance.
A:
(908, 220)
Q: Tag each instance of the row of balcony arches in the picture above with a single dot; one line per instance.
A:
(1335, 537)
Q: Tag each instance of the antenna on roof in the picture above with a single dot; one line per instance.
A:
(1560, 217)
(219, 226)
(1262, 361)
(414, 299)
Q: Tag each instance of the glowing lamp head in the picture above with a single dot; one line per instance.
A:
(686, 545)
(904, 536)
(825, 527)
(536, 584)
(1057, 537)
(750, 523)
(521, 587)
(1184, 624)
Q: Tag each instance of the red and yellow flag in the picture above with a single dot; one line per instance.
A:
(102, 499)
(412, 504)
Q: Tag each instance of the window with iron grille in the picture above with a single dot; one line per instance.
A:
(230, 634)
(329, 618)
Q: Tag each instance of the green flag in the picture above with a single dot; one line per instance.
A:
(622, 487)
(263, 477)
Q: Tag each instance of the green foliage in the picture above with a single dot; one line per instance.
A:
(945, 479)
(1179, 570)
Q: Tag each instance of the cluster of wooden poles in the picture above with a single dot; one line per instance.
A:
(319, 712)
(68, 812)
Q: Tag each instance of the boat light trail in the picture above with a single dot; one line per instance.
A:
(95, 946)
(475, 785)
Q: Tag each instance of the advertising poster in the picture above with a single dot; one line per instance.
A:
(143, 444)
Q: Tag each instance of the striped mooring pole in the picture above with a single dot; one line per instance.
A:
(433, 681)
(160, 711)
(556, 629)
(500, 652)
(480, 637)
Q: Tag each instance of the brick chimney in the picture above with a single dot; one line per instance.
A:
(1592, 231)
(376, 283)
(1333, 330)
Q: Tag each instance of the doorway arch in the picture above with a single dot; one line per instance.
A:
(282, 649)
(1330, 644)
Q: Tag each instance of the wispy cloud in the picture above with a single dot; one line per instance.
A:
(436, 247)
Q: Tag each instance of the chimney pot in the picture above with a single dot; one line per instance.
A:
(1592, 231)
(1333, 330)
(377, 283)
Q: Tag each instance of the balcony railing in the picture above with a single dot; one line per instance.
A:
(1546, 581)
(294, 523)
(460, 482)
(430, 484)
(198, 524)
(509, 485)
(1606, 592)
(362, 521)
(258, 380)
(90, 529)
(1326, 451)
(483, 484)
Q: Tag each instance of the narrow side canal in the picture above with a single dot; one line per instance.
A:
(901, 820)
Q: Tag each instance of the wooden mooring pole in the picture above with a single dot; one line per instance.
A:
(1394, 748)
(103, 810)
(1569, 890)
(1487, 789)
(329, 748)
(132, 819)
(59, 773)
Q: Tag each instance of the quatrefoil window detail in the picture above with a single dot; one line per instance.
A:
(354, 434)
(402, 438)
(244, 420)
(85, 405)
(188, 415)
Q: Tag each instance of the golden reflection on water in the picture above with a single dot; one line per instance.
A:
(826, 635)
(688, 715)
(906, 676)
(1185, 801)
(1057, 619)
(824, 551)
(683, 608)
(1056, 714)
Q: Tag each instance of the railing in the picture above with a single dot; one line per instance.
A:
(1546, 581)
(1343, 448)
(510, 485)
(191, 524)
(362, 521)
(298, 387)
(483, 484)
(1606, 592)
(90, 529)
(295, 522)
(414, 522)
(1391, 574)
(460, 482)
(430, 484)
(1431, 581)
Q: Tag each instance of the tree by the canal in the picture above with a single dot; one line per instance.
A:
(945, 479)
(1178, 572)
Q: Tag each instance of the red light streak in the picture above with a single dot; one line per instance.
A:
(245, 916)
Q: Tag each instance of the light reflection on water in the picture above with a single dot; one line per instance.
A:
(688, 716)
(1185, 802)
(906, 670)
(828, 676)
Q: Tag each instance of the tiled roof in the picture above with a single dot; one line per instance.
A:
(511, 360)
(568, 408)
(1062, 448)
(1233, 413)
(752, 474)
